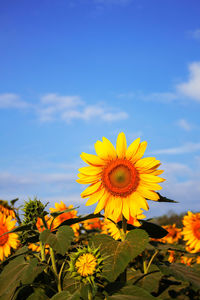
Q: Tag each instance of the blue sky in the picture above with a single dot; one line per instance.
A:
(73, 71)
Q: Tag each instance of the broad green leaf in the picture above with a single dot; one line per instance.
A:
(118, 254)
(154, 231)
(182, 272)
(151, 280)
(60, 241)
(65, 295)
(16, 272)
(70, 284)
(132, 292)
(38, 294)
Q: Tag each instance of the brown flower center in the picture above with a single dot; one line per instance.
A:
(4, 238)
(120, 177)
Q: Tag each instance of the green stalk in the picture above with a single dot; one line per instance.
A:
(90, 296)
(42, 250)
(150, 262)
(53, 261)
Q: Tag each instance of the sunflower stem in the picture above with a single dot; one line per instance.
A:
(42, 251)
(90, 296)
(150, 262)
(124, 227)
(53, 261)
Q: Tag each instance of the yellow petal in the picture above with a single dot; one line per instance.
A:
(132, 149)
(95, 197)
(102, 150)
(110, 148)
(157, 172)
(150, 185)
(109, 206)
(125, 209)
(90, 170)
(151, 178)
(117, 208)
(147, 163)
(147, 193)
(87, 179)
(91, 159)
(140, 152)
(137, 202)
(102, 203)
(121, 145)
(91, 189)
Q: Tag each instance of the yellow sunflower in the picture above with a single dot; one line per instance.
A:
(65, 216)
(191, 230)
(95, 223)
(173, 236)
(7, 241)
(120, 180)
(6, 209)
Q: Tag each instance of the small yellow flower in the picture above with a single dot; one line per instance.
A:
(7, 241)
(120, 180)
(94, 223)
(191, 230)
(86, 264)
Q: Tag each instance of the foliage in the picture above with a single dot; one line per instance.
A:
(134, 267)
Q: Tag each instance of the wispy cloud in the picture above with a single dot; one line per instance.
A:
(188, 90)
(191, 88)
(186, 148)
(9, 100)
(68, 108)
(184, 124)
(195, 34)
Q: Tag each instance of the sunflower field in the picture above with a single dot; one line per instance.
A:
(114, 253)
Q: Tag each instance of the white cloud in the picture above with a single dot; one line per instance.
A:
(187, 148)
(191, 88)
(9, 100)
(195, 34)
(185, 125)
(67, 108)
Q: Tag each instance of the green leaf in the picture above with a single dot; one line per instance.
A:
(19, 228)
(58, 213)
(16, 272)
(132, 292)
(164, 199)
(151, 280)
(80, 219)
(60, 241)
(13, 201)
(38, 294)
(182, 272)
(154, 231)
(118, 254)
(66, 295)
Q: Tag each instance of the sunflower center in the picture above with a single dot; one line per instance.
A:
(4, 238)
(120, 177)
(86, 264)
(197, 230)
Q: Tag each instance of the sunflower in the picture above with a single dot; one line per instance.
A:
(112, 229)
(7, 241)
(59, 207)
(6, 209)
(92, 224)
(191, 230)
(173, 236)
(86, 264)
(120, 180)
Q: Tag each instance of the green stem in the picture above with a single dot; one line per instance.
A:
(145, 266)
(53, 261)
(42, 250)
(150, 262)
(90, 296)
(60, 277)
(124, 228)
